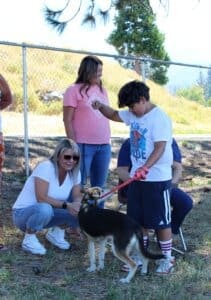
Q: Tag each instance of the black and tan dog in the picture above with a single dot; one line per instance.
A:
(99, 225)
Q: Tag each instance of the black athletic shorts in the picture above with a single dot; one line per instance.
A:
(149, 204)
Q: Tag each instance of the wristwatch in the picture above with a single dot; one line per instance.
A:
(64, 205)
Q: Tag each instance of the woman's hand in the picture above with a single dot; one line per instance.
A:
(73, 208)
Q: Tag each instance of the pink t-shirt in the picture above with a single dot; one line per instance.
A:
(89, 125)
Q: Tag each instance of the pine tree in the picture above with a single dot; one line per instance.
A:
(208, 85)
(137, 34)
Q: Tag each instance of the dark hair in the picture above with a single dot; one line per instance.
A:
(131, 92)
(87, 70)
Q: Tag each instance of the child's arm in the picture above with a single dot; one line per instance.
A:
(159, 148)
(123, 173)
(107, 111)
(176, 173)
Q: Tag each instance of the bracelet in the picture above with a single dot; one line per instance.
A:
(64, 205)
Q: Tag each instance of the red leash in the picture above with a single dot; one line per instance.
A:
(139, 175)
(116, 188)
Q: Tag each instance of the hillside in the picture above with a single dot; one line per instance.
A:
(54, 71)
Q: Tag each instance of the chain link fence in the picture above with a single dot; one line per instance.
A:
(38, 77)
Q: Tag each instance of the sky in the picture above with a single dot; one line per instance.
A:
(185, 25)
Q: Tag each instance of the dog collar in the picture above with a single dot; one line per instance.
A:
(91, 201)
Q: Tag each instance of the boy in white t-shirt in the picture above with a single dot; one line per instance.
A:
(151, 138)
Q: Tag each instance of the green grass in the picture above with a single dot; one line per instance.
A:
(62, 274)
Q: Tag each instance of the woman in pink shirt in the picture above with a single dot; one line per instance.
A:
(87, 126)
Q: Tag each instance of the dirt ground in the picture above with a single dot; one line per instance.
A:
(196, 163)
(196, 180)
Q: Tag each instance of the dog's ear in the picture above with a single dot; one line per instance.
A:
(96, 192)
(97, 189)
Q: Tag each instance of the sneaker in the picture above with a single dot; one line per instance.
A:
(55, 236)
(31, 244)
(172, 260)
(166, 266)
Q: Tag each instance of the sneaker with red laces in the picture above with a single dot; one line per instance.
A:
(166, 266)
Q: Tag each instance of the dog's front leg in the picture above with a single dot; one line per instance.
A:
(144, 268)
(101, 254)
(91, 251)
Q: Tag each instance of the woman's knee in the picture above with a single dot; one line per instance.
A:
(45, 209)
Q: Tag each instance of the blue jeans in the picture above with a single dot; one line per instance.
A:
(181, 204)
(95, 161)
(42, 215)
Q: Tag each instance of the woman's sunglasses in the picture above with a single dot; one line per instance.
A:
(69, 157)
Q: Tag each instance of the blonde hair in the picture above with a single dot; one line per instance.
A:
(60, 148)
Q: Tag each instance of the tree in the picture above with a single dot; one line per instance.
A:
(201, 81)
(208, 85)
(205, 84)
(194, 93)
(136, 34)
(159, 71)
(93, 9)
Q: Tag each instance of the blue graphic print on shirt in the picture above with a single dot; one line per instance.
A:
(138, 141)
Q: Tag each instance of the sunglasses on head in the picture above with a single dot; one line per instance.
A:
(69, 157)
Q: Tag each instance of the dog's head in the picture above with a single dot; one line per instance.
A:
(91, 195)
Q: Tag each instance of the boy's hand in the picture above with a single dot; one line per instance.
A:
(141, 173)
(96, 104)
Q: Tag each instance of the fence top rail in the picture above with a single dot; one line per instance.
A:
(129, 57)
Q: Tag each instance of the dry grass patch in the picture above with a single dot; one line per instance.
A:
(62, 274)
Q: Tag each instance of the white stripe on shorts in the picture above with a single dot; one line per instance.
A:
(167, 204)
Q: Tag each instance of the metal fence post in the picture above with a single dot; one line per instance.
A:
(143, 69)
(51, 81)
(25, 102)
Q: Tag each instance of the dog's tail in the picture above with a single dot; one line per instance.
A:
(144, 250)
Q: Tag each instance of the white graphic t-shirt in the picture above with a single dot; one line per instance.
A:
(46, 171)
(152, 127)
